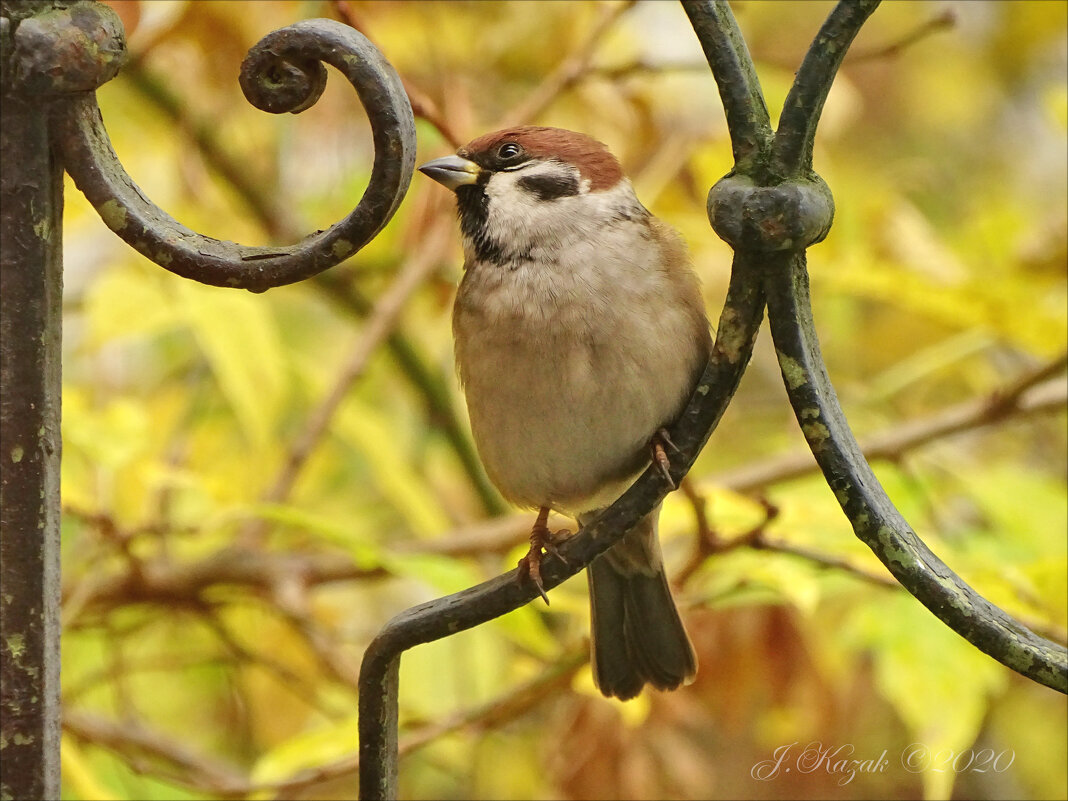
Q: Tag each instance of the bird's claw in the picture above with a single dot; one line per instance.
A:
(541, 543)
(660, 457)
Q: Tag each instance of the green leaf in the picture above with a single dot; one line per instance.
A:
(445, 574)
(239, 337)
(78, 772)
(365, 554)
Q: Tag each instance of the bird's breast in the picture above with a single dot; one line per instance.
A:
(569, 365)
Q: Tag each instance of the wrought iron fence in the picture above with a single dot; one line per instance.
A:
(769, 209)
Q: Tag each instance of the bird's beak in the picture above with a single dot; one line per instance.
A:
(452, 171)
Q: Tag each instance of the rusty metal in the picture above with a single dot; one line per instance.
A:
(30, 290)
(31, 286)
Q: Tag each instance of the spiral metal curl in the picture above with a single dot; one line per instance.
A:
(282, 73)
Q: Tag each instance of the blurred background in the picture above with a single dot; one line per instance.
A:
(254, 484)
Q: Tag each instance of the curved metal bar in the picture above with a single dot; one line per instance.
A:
(778, 222)
(873, 516)
(792, 152)
(282, 73)
(739, 89)
(738, 326)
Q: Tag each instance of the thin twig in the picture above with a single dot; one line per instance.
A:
(571, 70)
(326, 653)
(186, 583)
(761, 542)
(946, 19)
(146, 751)
(699, 503)
(709, 543)
(643, 67)
(423, 106)
(1016, 399)
(287, 678)
(383, 319)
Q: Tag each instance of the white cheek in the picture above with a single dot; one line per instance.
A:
(566, 256)
(525, 226)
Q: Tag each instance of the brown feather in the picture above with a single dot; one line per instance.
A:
(589, 156)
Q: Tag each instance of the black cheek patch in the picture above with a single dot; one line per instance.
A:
(473, 207)
(550, 187)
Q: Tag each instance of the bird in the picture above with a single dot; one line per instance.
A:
(580, 334)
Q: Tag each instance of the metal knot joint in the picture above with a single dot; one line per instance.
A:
(66, 50)
(788, 216)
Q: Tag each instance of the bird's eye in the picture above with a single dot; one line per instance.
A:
(509, 150)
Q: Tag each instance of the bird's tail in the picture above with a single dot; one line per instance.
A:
(636, 635)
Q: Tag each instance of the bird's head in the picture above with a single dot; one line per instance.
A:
(533, 187)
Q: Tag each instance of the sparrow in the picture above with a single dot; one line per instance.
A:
(580, 333)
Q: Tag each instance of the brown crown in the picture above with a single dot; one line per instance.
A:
(591, 157)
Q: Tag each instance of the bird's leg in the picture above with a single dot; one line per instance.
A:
(541, 539)
(657, 442)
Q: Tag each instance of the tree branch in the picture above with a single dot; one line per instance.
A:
(185, 583)
(939, 22)
(1020, 398)
(153, 753)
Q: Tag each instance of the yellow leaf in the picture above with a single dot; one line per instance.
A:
(369, 431)
(311, 749)
(239, 337)
(78, 774)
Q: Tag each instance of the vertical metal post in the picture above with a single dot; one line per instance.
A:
(54, 54)
(31, 286)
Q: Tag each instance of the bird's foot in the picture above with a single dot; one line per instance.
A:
(660, 458)
(542, 541)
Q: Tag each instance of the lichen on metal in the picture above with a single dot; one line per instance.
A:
(792, 372)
